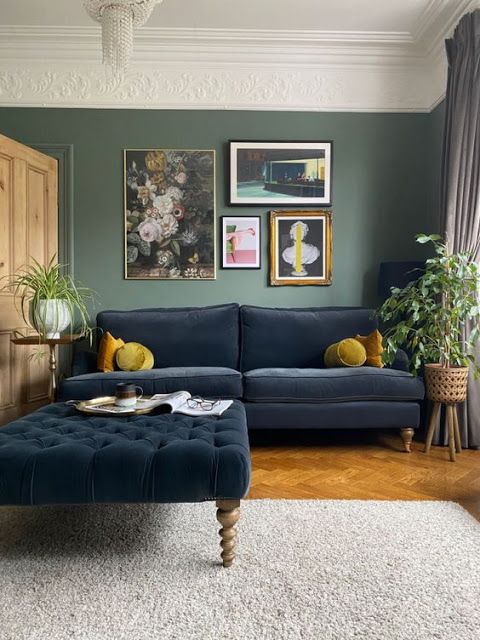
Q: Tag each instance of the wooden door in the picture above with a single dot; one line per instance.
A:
(28, 229)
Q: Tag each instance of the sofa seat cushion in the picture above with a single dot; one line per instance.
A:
(203, 381)
(331, 385)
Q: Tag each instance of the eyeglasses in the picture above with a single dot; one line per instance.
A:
(201, 403)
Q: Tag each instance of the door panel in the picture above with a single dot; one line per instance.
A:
(7, 364)
(28, 229)
(6, 257)
(37, 214)
(19, 206)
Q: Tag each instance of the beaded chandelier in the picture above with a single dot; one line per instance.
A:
(118, 19)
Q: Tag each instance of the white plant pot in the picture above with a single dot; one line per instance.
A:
(51, 317)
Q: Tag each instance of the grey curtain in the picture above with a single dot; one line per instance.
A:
(460, 182)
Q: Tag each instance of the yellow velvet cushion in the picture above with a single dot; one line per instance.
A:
(133, 356)
(373, 347)
(107, 351)
(346, 353)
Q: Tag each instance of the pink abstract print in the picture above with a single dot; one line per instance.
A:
(241, 242)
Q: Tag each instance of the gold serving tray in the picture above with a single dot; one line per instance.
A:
(90, 407)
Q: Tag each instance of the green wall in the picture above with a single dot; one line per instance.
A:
(436, 122)
(382, 194)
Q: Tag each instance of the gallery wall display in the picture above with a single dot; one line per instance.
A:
(281, 173)
(300, 248)
(241, 247)
(169, 214)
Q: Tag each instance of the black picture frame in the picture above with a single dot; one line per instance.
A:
(223, 243)
(305, 181)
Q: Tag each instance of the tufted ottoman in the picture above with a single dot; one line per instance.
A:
(59, 456)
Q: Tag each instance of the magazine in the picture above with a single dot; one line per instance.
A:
(177, 402)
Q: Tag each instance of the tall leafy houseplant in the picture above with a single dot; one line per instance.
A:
(430, 318)
(49, 300)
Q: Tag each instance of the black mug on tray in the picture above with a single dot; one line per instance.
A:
(127, 394)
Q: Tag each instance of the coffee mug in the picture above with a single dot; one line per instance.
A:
(127, 394)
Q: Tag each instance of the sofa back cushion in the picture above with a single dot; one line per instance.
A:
(181, 337)
(297, 338)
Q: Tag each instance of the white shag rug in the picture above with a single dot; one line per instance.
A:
(326, 570)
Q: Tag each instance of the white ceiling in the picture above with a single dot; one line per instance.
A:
(325, 15)
(343, 55)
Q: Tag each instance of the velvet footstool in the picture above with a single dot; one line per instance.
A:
(57, 455)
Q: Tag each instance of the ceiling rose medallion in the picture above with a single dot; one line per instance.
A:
(118, 19)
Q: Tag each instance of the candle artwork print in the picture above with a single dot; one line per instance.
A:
(300, 248)
(300, 253)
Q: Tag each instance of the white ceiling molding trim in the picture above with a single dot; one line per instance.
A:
(173, 68)
(155, 45)
(438, 21)
(435, 25)
(214, 88)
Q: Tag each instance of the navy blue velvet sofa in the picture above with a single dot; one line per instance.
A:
(271, 359)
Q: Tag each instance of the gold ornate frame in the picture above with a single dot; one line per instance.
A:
(326, 280)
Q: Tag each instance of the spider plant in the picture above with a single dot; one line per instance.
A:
(49, 300)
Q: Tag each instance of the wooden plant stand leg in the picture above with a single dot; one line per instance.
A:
(52, 367)
(432, 426)
(451, 432)
(407, 437)
(456, 430)
(228, 514)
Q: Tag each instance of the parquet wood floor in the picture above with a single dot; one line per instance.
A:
(362, 466)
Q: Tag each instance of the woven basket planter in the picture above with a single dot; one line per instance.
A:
(446, 384)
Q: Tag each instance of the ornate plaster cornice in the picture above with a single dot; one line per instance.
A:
(234, 69)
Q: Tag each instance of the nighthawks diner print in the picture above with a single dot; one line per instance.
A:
(270, 173)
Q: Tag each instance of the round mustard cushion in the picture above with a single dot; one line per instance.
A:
(133, 356)
(346, 353)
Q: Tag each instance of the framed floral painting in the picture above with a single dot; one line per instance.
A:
(169, 214)
(300, 248)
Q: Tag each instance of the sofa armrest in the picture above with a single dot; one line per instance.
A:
(84, 362)
(401, 361)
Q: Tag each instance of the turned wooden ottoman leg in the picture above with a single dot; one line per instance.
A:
(228, 514)
(407, 437)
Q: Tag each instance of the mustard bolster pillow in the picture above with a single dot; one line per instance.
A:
(133, 356)
(346, 353)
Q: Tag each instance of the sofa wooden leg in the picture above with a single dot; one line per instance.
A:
(228, 514)
(407, 437)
